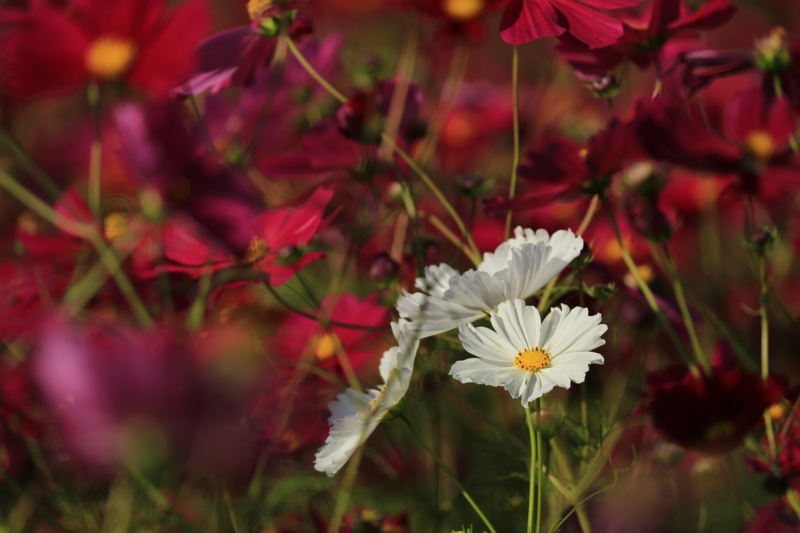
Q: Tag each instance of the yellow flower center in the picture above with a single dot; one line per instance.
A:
(374, 403)
(773, 44)
(324, 346)
(256, 251)
(760, 145)
(256, 7)
(115, 225)
(720, 430)
(532, 360)
(109, 57)
(463, 9)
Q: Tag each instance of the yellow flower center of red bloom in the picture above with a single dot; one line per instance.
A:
(115, 224)
(532, 360)
(324, 346)
(463, 9)
(108, 57)
(256, 251)
(256, 7)
(760, 145)
(720, 430)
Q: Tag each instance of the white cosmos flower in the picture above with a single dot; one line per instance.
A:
(527, 355)
(518, 268)
(355, 415)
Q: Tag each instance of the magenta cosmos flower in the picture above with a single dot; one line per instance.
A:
(578, 22)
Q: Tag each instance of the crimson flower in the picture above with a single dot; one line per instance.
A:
(709, 413)
(461, 17)
(755, 149)
(300, 337)
(562, 172)
(641, 39)
(50, 50)
(527, 20)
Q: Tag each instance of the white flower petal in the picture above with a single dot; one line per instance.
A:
(346, 435)
(432, 315)
(486, 344)
(436, 280)
(486, 372)
(476, 290)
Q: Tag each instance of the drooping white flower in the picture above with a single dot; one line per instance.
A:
(355, 415)
(527, 355)
(518, 268)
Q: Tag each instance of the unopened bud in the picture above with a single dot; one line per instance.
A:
(762, 240)
(605, 86)
(383, 268)
(472, 185)
(584, 257)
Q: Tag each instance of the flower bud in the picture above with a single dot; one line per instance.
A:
(472, 185)
(762, 240)
(772, 52)
(584, 258)
(605, 86)
(383, 268)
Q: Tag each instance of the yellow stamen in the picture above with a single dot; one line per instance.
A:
(532, 360)
(374, 403)
(109, 57)
(256, 7)
(115, 225)
(720, 430)
(759, 144)
(463, 9)
(256, 251)
(324, 347)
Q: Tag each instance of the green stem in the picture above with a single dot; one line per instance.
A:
(532, 469)
(95, 154)
(313, 72)
(539, 465)
(515, 161)
(449, 474)
(343, 498)
(646, 292)
(680, 297)
(30, 166)
(762, 310)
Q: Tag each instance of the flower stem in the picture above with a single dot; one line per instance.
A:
(344, 493)
(539, 465)
(762, 310)
(449, 474)
(95, 153)
(648, 294)
(532, 478)
(515, 161)
(313, 72)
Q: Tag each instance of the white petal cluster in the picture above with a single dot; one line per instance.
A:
(518, 268)
(355, 415)
(568, 336)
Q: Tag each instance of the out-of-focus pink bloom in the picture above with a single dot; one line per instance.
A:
(51, 50)
(527, 20)
(300, 338)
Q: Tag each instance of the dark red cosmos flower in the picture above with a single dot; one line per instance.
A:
(755, 150)
(527, 20)
(709, 413)
(300, 338)
(277, 242)
(461, 17)
(778, 58)
(51, 50)
(775, 517)
(562, 172)
(787, 445)
(641, 39)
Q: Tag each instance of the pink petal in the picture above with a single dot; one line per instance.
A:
(587, 25)
(527, 20)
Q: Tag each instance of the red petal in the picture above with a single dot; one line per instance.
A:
(44, 55)
(587, 25)
(611, 4)
(781, 124)
(712, 15)
(527, 20)
(169, 57)
(745, 115)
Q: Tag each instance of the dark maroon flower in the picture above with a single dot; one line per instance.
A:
(709, 413)
(775, 517)
(755, 150)
(641, 39)
(562, 172)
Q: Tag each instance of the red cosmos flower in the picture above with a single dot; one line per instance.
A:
(276, 246)
(562, 172)
(50, 50)
(461, 17)
(641, 39)
(755, 150)
(709, 413)
(775, 517)
(527, 20)
(300, 337)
